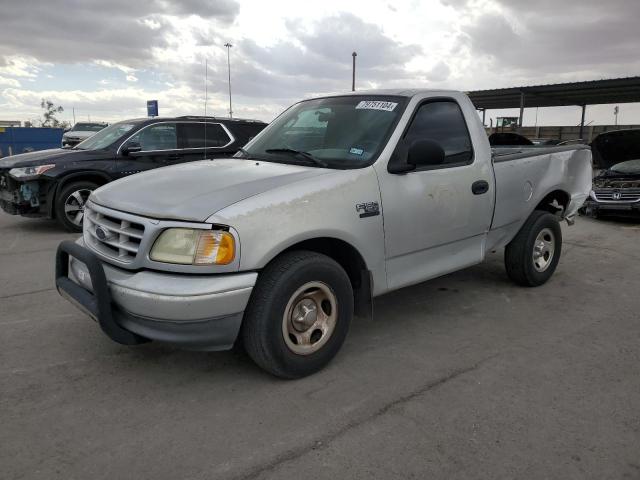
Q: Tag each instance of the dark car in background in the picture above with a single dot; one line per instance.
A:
(56, 183)
(616, 186)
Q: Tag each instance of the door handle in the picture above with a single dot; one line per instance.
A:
(479, 187)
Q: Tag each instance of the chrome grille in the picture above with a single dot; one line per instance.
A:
(112, 236)
(617, 195)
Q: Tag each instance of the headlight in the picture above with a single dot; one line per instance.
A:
(188, 246)
(23, 172)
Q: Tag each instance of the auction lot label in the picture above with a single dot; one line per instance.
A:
(376, 105)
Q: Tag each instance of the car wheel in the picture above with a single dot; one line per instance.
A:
(533, 254)
(298, 315)
(70, 203)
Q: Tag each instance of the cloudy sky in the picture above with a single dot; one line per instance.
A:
(106, 57)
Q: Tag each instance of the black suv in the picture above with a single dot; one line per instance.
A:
(56, 183)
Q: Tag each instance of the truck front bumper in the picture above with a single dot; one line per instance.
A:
(197, 312)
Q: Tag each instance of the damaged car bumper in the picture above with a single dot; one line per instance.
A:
(199, 312)
(27, 198)
(622, 202)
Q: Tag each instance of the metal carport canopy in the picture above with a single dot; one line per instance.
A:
(617, 90)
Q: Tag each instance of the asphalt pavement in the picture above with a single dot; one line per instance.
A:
(466, 376)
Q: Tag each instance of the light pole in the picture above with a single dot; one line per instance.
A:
(228, 45)
(353, 76)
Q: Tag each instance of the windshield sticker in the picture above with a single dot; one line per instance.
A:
(356, 151)
(376, 105)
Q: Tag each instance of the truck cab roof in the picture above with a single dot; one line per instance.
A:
(399, 92)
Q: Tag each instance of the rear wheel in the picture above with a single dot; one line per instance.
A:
(533, 255)
(70, 202)
(298, 315)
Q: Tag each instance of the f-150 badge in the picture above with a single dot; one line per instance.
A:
(368, 209)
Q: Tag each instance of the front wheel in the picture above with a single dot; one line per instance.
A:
(298, 315)
(533, 254)
(70, 202)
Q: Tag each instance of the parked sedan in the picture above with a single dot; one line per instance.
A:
(56, 183)
(80, 132)
(616, 186)
(616, 191)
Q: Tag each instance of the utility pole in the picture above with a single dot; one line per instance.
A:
(616, 109)
(353, 77)
(206, 98)
(73, 109)
(228, 45)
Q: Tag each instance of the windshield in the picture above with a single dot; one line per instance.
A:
(87, 127)
(105, 137)
(630, 166)
(336, 132)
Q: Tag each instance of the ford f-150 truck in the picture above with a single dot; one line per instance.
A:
(342, 198)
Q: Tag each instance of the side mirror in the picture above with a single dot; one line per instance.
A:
(425, 153)
(132, 147)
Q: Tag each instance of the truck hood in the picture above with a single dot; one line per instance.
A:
(41, 157)
(195, 191)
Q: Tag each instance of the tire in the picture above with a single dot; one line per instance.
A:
(533, 254)
(69, 208)
(298, 295)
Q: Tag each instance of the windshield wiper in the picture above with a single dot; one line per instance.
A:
(247, 155)
(305, 155)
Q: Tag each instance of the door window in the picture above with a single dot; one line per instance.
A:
(161, 136)
(443, 122)
(201, 135)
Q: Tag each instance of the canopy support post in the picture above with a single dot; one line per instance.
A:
(521, 109)
(584, 107)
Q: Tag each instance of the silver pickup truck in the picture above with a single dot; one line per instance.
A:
(340, 199)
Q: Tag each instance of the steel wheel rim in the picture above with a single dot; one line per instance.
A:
(74, 206)
(309, 318)
(544, 248)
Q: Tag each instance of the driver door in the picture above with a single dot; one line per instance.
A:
(159, 148)
(434, 223)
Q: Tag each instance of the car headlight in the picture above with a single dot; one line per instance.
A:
(189, 246)
(20, 173)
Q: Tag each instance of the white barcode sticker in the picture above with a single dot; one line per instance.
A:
(376, 105)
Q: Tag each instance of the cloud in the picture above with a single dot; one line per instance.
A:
(120, 31)
(19, 67)
(10, 82)
(439, 73)
(104, 104)
(316, 58)
(288, 51)
(558, 38)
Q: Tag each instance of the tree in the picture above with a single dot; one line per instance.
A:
(50, 112)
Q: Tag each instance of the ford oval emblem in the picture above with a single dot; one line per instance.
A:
(101, 233)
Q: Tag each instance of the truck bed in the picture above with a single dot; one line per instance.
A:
(526, 175)
(505, 154)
